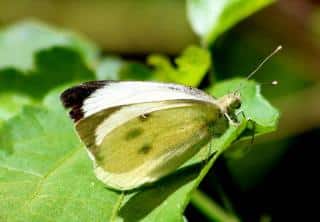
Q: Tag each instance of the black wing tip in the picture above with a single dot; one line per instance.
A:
(75, 96)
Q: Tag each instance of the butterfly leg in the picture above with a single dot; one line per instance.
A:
(253, 125)
(231, 121)
(242, 113)
(253, 133)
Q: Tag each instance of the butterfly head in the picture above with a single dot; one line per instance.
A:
(230, 102)
(234, 100)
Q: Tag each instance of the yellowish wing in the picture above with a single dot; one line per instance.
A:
(139, 144)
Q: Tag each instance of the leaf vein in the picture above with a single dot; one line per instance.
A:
(20, 170)
(50, 172)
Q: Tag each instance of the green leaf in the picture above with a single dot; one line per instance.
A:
(35, 58)
(11, 104)
(46, 175)
(53, 67)
(209, 19)
(192, 66)
(135, 71)
(189, 68)
(115, 68)
(109, 68)
(20, 42)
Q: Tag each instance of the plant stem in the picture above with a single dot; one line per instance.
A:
(226, 202)
(211, 209)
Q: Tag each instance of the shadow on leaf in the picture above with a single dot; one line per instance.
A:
(149, 198)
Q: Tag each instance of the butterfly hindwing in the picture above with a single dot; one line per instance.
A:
(147, 145)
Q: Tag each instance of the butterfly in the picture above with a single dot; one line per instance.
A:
(138, 132)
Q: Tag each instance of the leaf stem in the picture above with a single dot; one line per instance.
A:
(226, 202)
(211, 209)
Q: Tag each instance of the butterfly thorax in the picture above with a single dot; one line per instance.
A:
(229, 103)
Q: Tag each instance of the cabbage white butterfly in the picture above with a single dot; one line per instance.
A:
(138, 132)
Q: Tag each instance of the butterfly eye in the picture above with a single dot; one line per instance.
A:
(236, 104)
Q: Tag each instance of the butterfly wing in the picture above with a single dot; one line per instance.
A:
(138, 132)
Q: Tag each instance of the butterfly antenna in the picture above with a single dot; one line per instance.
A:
(259, 67)
(272, 83)
(264, 61)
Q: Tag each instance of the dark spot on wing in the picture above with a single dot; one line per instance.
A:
(145, 149)
(134, 133)
(75, 96)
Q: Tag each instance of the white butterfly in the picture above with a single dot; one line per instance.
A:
(138, 132)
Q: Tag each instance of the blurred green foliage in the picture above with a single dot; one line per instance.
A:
(31, 55)
(209, 19)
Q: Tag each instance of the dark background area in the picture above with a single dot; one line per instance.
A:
(287, 193)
